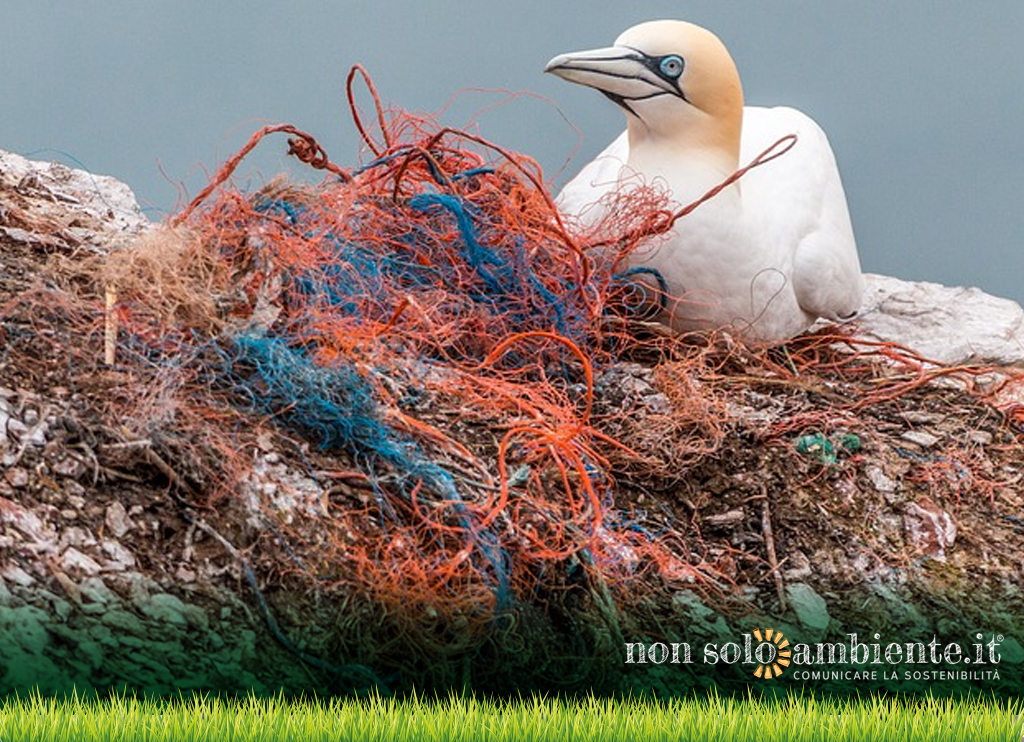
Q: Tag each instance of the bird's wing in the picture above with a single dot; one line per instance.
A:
(805, 206)
(581, 195)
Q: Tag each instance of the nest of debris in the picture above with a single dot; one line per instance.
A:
(416, 413)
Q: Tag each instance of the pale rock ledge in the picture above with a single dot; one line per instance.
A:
(953, 325)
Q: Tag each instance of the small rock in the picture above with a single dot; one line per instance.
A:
(102, 634)
(920, 438)
(96, 590)
(900, 610)
(729, 518)
(197, 617)
(810, 609)
(721, 630)
(37, 435)
(62, 608)
(117, 520)
(658, 404)
(76, 502)
(799, 567)
(69, 467)
(5, 419)
(124, 621)
(121, 558)
(139, 588)
(16, 575)
(16, 477)
(24, 520)
(880, 480)
(74, 560)
(27, 626)
(16, 426)
(77, 537)
(930, 530)
(166, 608)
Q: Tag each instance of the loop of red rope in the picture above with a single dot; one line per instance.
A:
(771, 153)
(303, 146)
(358, 69)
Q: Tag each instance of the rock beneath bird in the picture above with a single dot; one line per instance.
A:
(946, 324)
(769, 254)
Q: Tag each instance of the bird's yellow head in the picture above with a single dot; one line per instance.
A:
(674, 80)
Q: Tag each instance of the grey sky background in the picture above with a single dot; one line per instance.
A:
(923, 100)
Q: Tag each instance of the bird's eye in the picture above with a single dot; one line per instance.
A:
(671, 66)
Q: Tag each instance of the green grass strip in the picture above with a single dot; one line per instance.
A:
(206, 719)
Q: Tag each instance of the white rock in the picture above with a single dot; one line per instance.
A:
(881, 481)
(17, 576)
(120, 557)
(930, 530)
(24, 520)
(102, 209)
(74, 560)
(920, 438)
(942, 323)
(5, 417)
(117, 520)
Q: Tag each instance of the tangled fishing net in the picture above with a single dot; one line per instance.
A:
(426, 333)
(436, 277)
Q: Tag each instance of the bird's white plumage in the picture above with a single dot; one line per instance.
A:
(767, 256)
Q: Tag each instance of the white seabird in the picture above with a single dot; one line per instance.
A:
(769, 254)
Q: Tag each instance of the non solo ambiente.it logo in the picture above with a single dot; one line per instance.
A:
(772, 655)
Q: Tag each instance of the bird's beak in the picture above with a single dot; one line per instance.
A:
(603, 69)
(621, 73)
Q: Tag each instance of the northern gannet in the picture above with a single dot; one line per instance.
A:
(768, 255)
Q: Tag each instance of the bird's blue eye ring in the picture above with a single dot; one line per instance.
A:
(671, 66)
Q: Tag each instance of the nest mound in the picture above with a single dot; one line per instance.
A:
(415, 430)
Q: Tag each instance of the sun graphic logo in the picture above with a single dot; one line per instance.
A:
(771, 653)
